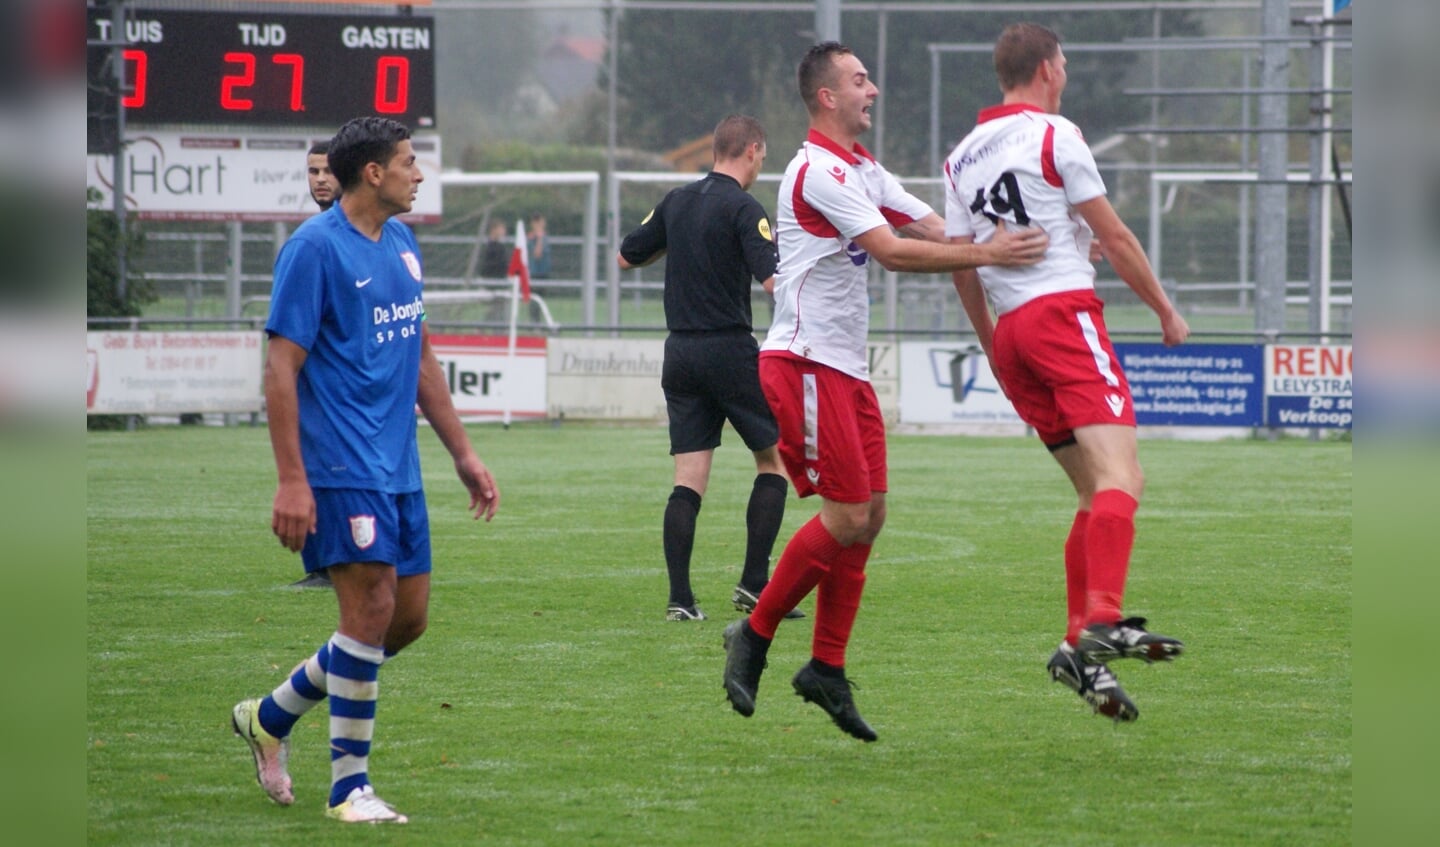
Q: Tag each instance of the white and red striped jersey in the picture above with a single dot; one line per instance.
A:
(1029, 168)
(829, 196)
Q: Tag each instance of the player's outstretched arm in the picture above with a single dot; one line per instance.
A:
(433, 397)
(1023, 247)
(1124, 253)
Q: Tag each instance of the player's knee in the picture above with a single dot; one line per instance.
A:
(850, 525)
(403, 633)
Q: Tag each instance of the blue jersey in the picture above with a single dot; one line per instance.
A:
(355, 306)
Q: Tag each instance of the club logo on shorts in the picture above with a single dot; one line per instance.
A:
(362, 530)
(1117, 403)
(812, 475)
(412, 264)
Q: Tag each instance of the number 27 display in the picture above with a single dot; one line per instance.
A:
(271, 69)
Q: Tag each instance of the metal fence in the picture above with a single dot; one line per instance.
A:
(1199, 232)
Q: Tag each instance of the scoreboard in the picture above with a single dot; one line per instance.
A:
(259, 68)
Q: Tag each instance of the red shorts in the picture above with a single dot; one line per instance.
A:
(832, 435)
(1059, 368)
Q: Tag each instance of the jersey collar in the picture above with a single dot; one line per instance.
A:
(726, 177)
(851, 156)
(1006, 110)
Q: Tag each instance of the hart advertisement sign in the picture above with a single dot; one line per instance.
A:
(240, 176)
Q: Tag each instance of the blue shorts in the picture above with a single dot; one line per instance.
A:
(355, 525)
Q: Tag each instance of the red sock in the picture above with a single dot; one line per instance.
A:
(1075, 577)
(837, 604)
(807, 557)
(1108, 540)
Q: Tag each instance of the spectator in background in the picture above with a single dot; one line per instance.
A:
(495, 259)
(324, 189)
(539, 247)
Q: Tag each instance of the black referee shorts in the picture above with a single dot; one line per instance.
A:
(709, 378)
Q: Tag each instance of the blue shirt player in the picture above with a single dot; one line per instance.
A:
(349, 359)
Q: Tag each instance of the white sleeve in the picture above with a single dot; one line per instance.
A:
(1077, 166)
(840, 197)
(899, 206)
(957, 209)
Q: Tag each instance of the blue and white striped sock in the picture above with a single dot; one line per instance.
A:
(351, 681)
(301, 691)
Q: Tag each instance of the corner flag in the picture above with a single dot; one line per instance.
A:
(519, 263)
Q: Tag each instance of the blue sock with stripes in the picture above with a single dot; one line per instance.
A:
(301, 691)
(351, 681)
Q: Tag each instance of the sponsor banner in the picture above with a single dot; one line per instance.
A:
(885, 370)
(1195, 384)
(144, 373)
(611, 378)
(239, 176)
(950, 383)
(484, 378)
(1309, 386)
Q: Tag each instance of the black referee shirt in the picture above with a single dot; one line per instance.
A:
(717, 239)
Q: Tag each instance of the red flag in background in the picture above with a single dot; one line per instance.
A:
(519, 266)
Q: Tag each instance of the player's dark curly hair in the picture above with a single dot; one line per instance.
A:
(362, 141)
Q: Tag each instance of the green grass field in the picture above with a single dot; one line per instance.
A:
(549, 703)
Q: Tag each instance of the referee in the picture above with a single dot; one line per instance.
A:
(717, 238)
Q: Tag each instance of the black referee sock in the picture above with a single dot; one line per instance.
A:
(679, 539)
(762, 524)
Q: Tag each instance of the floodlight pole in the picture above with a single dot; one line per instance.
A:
(1271, 221)
(827, 20)
(122, 269)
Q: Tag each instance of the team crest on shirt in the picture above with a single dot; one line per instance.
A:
(765, 230)
(412, 264)
(839, 173)
(362, 530)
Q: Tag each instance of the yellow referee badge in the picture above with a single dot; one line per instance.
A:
(648, 215)
(765, 229)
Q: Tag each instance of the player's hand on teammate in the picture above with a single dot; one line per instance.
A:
(1018, 247)
(293, 516)
(484, 493)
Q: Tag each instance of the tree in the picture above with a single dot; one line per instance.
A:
(680, 72)
(102, 266)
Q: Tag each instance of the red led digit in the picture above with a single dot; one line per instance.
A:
(244, 79)
(387, 103)
(136, 98)
(297, 78)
